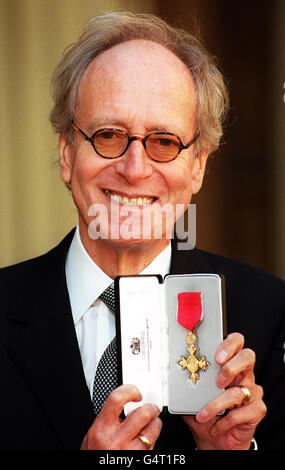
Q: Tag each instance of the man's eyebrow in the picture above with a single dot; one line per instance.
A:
(102, 122)
(106, 121)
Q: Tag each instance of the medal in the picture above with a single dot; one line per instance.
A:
(190, 315)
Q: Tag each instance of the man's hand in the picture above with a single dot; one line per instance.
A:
(235, 429)
(110, 432)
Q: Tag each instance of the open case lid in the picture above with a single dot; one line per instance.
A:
(151, 342)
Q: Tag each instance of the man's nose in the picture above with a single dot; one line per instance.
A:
(135, 164)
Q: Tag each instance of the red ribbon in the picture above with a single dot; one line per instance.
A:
(189, 309)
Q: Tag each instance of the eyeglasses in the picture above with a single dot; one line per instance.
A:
(161, 147)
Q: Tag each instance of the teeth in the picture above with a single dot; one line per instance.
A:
(136, 201)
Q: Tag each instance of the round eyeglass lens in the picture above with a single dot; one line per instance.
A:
(110, 143)
(162, 147)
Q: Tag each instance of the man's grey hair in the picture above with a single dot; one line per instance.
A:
(105, 31)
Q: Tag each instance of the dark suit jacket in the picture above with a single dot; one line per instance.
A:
(44, 399)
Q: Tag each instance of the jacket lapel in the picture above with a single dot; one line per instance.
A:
(43, 345)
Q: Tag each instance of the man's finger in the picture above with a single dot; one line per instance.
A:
(233, 343)
(139, 419)
(230, 398)
(248, 416)
(151, 432)
(242, 362)
(116, 401)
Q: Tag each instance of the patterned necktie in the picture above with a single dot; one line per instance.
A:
(106, 374)
(108, 297)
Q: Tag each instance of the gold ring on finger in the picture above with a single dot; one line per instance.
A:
(247, 395)
(144, 440)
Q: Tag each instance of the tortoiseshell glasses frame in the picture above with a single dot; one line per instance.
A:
(112, 143)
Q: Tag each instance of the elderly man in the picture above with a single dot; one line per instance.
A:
(138, 109)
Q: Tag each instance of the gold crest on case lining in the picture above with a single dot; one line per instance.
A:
(192, 363)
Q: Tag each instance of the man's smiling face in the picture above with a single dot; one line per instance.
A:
(138, 87)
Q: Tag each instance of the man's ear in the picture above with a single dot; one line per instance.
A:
(198, 170)
(65, 159)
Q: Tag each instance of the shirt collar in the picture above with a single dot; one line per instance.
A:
(86, 281)
(160, 264)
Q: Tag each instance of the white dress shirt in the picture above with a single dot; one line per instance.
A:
(94, 322)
